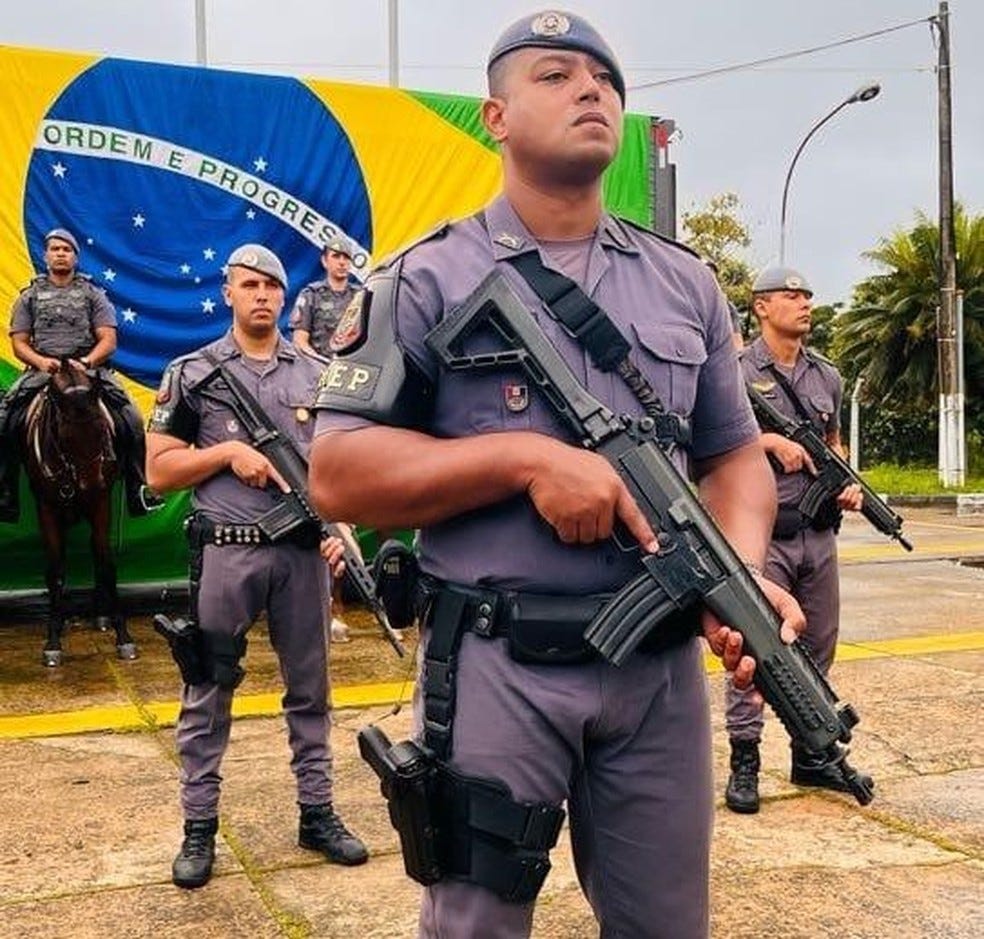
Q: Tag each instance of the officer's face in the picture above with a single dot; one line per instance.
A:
(557, 115)
(256, 300)
(59, 256)
(787, 312)
(337, 265)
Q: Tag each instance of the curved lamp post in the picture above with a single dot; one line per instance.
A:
(864, 93)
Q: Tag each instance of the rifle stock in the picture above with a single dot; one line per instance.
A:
(695, 563)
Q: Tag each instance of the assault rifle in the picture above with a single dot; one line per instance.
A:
(293, 511)
(833, 472)
(695, 563)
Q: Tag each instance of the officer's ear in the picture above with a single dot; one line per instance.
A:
(493, 117)
(226, 295)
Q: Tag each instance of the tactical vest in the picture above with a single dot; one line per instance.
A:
(327, 308)
(61, 317)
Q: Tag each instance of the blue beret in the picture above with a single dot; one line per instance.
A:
(555, 29)
(781, 278)
(65, 235)
(259, 259)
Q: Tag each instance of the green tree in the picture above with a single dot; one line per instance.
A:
(889, 333)
(718, 234)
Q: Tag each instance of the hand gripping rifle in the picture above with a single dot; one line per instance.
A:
(833, 472)
(694, 564)
(294, 510)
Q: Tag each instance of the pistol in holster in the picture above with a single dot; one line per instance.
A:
(187, 645)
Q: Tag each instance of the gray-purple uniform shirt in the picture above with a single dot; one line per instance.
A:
(817, 384)
(661, 297)
(285, 388)
(318, 309)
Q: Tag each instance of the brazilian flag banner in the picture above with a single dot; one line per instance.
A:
(160, 171)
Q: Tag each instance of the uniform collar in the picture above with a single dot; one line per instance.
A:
(762, 355)
(509, 237)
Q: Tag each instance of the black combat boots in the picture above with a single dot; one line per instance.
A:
(811, 770)
(742, 793)
(322, 830)
(193, 865)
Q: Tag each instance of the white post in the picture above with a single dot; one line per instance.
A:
(960, 455)
(854, 457)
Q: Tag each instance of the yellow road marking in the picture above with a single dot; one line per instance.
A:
(870, 552)
(127, 717)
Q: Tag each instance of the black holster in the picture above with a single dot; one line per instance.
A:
(396, 573)
(187, 649)
(459, 827)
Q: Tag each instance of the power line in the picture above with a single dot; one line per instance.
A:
(741, 66)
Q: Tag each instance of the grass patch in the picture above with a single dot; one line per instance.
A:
(915, 480)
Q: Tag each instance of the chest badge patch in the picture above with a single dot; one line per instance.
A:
(351, 325)
(517, 397)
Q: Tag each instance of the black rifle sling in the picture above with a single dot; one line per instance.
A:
(790, 393)
(591, 326)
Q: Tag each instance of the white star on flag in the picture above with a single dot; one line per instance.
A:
(208, 305)
(260, 164)
(198, 280)
(129, 315)
(225, 270)
(185, 268)
(138, 220)
(59, 169)
(89, 241)
(109, 274)
(209, 254)
(250, 214)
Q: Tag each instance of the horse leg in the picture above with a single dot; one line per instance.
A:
(104, 568)
(53, 539)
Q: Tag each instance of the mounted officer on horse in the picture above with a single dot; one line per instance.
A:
(63, 315)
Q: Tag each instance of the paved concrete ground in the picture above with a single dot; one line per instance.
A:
(91, 822)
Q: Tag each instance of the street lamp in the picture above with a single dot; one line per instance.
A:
(864, 93)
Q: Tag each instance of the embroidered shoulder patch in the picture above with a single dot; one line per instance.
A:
(351, 325)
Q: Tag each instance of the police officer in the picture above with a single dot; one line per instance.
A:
(197, 441)
(516, 517)
(802, 554)
(62, 314)
(321, 303)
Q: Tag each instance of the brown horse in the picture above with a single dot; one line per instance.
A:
(71, 466)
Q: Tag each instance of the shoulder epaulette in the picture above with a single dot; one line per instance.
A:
(313, 354)
(817, 356)
(648, 231)
(439, 231)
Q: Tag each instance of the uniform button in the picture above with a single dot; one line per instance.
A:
(484, 609)
(609, 558)
(482, 625)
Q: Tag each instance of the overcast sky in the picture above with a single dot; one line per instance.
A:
(863, 175)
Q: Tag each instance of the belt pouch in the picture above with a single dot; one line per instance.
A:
(547, 630)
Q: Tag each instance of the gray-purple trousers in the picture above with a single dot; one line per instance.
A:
(628, 749)
(237, 584)
(806, 565)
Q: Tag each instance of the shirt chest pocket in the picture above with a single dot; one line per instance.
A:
(671, 359)
(822, 408)
(296, 416)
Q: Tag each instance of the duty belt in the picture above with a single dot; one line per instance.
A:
(201, 530)
(541, 629)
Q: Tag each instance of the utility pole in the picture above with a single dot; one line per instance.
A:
(201, 34)
(951, 451)
(393, 32)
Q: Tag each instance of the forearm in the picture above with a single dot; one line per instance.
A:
(738, 488)
(302, 339)
(389, 477)
(26, 354)
(100, 352)
(172, 464)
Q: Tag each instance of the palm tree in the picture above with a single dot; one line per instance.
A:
(889, 332)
